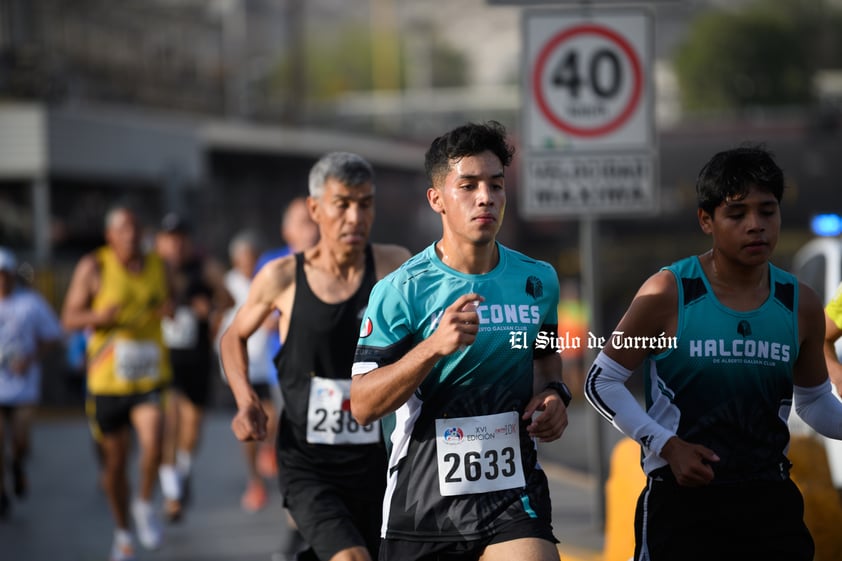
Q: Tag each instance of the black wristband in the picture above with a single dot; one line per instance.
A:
(562, 390)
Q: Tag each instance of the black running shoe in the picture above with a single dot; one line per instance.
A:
(5, 506)
(186, 492)
(173, 510)
(20, 484)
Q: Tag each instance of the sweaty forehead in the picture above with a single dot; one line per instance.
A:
(483, 164)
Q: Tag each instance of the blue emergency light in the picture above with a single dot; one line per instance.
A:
(826, 225)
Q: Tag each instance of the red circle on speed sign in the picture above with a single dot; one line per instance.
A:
(627, 109)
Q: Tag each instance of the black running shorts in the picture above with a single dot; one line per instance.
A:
(405, 550)
(263, 390)
(734, 522)
(331, 515)
(110, 413)
(192, 374)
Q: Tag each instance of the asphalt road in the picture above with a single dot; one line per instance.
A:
(65, 516)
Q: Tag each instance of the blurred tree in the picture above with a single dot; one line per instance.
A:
(341, 62)
(761, 54)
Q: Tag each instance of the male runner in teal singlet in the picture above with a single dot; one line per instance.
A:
(446, 359)
(728, 340)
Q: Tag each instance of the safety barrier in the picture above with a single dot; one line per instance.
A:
(810, 471)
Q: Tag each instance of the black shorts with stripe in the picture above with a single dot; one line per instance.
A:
(733, 522)
(110, 413)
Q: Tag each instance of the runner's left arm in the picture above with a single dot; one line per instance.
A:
(550, 424)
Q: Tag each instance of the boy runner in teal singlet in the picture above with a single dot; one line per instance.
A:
(728, 340)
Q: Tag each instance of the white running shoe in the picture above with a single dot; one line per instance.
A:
(147, 525)
(122, 549)
(170, 482)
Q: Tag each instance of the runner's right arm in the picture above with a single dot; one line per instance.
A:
(266, 290)
(382, 390)
(76, 312)
(653, 312)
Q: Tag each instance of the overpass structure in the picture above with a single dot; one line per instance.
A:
(60, 168)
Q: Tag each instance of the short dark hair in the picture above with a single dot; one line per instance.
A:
(466, 140)
(731, 173)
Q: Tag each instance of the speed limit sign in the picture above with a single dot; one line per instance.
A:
(588, 129)
(586, 80)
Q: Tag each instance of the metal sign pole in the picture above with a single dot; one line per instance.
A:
(589, 256)
(589, 144)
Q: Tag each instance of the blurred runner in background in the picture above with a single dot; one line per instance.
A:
(199, 297)
(243, 251)
(120, 294)
(28, 329)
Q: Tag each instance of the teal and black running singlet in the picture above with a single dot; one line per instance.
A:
(723, 355)
(460, 460)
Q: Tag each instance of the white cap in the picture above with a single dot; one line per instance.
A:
(7, 261)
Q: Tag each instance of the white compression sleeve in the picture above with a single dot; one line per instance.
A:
(820, 409)
(605, 389)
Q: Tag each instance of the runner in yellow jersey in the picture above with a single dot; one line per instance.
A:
(119, 293)
(832, 331)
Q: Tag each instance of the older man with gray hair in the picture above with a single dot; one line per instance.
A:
(332, 470)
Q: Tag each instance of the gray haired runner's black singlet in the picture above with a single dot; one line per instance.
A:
(320, 343)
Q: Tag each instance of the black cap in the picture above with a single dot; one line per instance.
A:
(174, 223)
